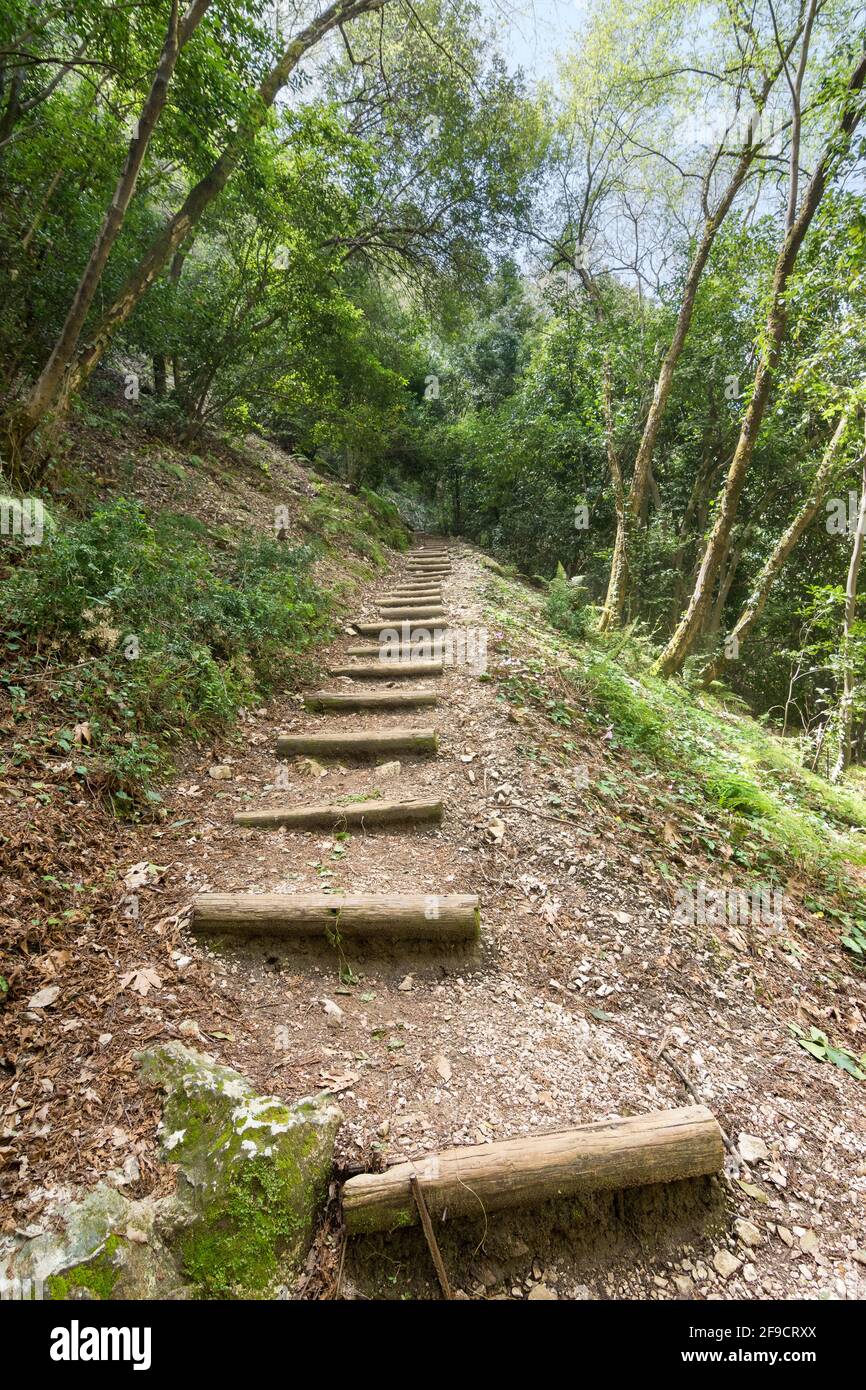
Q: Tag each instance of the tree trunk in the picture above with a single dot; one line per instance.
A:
(47, 392)
(64, 376)
(611, 614)
(757, 601)
(159, 375)
(846, 705)
(680, 644)
(639, 491)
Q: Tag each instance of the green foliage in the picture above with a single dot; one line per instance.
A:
(738, 794)
(157, 639)
(566, 606)
(818, 1045)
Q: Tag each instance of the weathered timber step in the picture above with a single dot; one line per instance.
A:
(359, 745)
(418, 917)
(418, 650)
(404, 630)
(413, 610)
(428, 568)
(386, 670)
(369, 699)
(405, 595)
(409, 600)
(661, 1147)
(362, 813)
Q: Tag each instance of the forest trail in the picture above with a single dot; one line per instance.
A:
(583, 999)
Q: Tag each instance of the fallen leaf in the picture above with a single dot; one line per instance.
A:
(44, 997)
(443, 1067)
(142, 981)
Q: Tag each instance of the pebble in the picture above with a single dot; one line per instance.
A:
(747, 1232)
(726, 1263)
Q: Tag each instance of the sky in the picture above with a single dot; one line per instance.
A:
(534, 31)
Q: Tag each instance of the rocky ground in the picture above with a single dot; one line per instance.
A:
(586, 998)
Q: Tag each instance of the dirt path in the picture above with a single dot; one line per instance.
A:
(558, 1018)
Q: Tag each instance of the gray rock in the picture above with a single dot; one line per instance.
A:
(252, 1174)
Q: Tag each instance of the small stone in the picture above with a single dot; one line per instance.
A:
(406, 984)
(684, 1285)
(542, 1292)
(220, 772)
(750, 1274)
(859, 1256)
(786, 1236)
(809, 1242)
(333, 1013)
(752, 1149)
(726, 1263)
(389, 769)
(748, 1233)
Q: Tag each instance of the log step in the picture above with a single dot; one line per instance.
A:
(403, 630)
(419, 595)
(410, 600)
(372, 699)
(415, 917)
(661, 1147)
(414, 610)
(329, 814)
(417, 650)
(385, 669)
(358, 745)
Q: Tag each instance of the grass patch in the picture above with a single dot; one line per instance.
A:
(746, 781)
(124, 633)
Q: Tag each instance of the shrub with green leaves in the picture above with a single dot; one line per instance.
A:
(148, 636)
(567, 607)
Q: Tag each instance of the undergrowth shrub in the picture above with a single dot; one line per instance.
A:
(140, 632)
(567, 608)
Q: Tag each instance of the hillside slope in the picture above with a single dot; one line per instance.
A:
(586, 804)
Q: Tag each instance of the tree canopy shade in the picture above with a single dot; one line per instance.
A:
(610, 325)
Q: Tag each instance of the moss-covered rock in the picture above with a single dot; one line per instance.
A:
(110, 1247)
(253, 1173)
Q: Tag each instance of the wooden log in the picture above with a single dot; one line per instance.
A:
(385, 670)
(369, 699)
(401, 595)
(661, 1147)
(358, 745)
(414, 610)
(417, 650)
(395, 600)
(405, 916)
(389, 632)
(330, 814)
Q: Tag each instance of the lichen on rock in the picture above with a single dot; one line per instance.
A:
(253, 1172)
(252, 1176)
